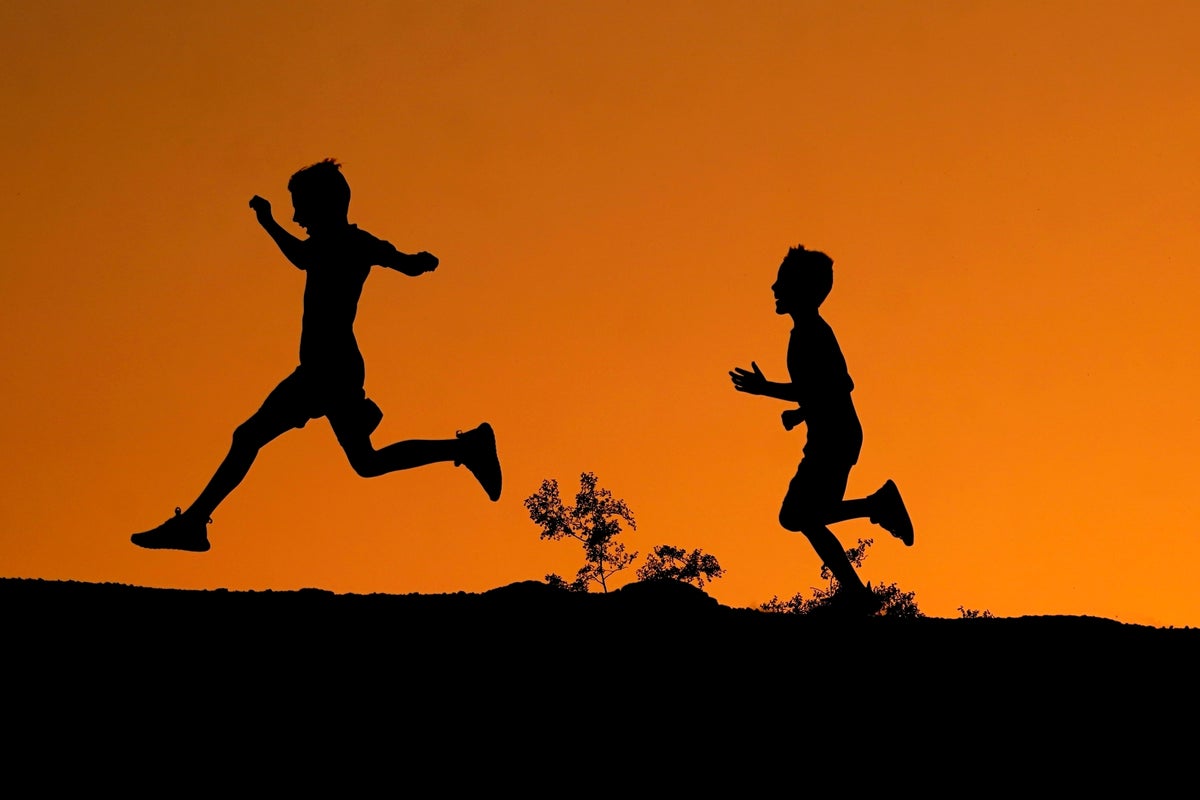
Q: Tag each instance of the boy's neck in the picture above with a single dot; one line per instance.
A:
(328, 228)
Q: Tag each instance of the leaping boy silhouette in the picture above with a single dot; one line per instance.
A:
(819, 383)
(336, 259)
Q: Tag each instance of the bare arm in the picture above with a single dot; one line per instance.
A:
(291, 247)
(413, 264)
(752, 381)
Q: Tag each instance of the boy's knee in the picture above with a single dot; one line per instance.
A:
(797, 520)
(366, 470)
(811, 520)
(364, 462)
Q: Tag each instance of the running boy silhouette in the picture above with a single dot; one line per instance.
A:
(820, 385)
(336, 258)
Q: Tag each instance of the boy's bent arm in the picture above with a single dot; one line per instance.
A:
(752, 381)
(780, 391)
(291, 247)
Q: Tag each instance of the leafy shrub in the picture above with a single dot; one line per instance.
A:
(896, 602)
(674, 563)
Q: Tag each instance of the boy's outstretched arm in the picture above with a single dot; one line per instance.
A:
(413, 264)
(752, 381)
(291, 247)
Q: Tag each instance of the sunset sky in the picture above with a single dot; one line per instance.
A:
(1008, 190)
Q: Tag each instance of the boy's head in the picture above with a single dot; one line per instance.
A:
(320, 195)
(805, 280)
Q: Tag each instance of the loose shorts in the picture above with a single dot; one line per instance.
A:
(309, 394)
(819, 484)
(816, 489)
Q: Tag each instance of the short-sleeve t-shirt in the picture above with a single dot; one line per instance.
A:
(823, 385)
(336, 265)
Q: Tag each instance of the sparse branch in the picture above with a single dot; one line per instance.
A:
(594, 521)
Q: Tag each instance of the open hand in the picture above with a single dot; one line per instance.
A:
(751, 382)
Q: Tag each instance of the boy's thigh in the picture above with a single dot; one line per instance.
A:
(291, 404)
(815, 490)
(306, 395)
(353, 419)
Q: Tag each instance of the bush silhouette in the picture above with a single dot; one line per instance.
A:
(674, 563)
(896, 602)
(594, 521)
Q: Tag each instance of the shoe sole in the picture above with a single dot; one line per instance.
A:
(204, 548)
(906, 533)
(489, 442)
(893, 498)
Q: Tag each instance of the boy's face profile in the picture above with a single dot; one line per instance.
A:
(788, 291)
(309, 213)
(320, 196)
(804, 281)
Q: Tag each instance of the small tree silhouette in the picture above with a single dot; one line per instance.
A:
(594, 521)
(674, 563)
(896, 602)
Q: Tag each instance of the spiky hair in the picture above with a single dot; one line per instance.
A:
(324, 181)
(812, 268)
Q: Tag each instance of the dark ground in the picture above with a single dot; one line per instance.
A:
(549, 677)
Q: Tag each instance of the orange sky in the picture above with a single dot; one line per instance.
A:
(1007, 189)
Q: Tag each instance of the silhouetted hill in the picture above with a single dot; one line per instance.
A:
(659, 659)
